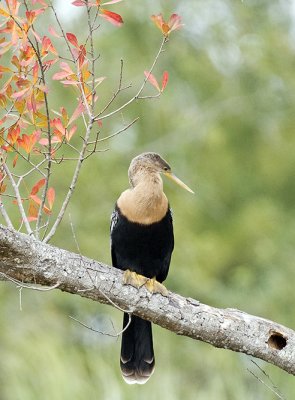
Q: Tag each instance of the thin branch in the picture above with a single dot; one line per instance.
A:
(18, 199)
(5, 215)
(119, 89)
(90, 277)
(273, 387)
(62, 31)
(73, 183)
(101, 117)
(119, 131)
(117, 334)
(31, 287)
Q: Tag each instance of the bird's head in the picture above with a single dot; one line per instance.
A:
(151, 164)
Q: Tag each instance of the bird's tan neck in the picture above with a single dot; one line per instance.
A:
(146, 203)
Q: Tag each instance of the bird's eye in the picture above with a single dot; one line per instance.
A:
(166, 168)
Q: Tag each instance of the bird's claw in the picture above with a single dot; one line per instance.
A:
(154, 286)
(134, 279)
(137, 281)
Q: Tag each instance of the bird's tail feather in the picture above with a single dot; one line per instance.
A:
(137, 353)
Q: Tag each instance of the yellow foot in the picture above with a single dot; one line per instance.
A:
(154, 286)
(133, 279)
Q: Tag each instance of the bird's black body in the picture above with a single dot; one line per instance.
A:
(142, 242)
(146, 250)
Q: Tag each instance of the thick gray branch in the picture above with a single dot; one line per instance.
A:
(30, 261)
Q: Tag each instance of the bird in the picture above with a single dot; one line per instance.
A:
(142, 243)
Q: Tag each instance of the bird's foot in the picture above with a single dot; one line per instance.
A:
(134, 279)
(154, 286)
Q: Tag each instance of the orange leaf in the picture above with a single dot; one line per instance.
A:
(150, 77)
(3, 100)
(164, 80)
(167, 27)
(112, 17)
(13, 134)
(27, 142)
(4, 12)
(50, 197)
(37, 186)
(158, 20)
(33, 211)
(15, 160)
(57, 124)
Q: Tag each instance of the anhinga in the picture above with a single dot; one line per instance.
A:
(141, 244)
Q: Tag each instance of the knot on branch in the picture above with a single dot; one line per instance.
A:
(277, 340)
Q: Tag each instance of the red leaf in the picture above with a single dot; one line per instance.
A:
(60, 75)
(47, 46)
(78, 111)
(78, 3)
(37, 187)
(36, 199)
(150, 77)
(20, 94)
(57, 124)
(54, 139)
(72, 39)
(71, 132)
(164, 80)
(112, 17)
(50, 197)
(174, 22)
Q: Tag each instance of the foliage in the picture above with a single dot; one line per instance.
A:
(34, 132)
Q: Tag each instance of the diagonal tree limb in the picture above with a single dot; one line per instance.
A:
(30, 261)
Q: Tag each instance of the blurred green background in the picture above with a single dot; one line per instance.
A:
(226, 125)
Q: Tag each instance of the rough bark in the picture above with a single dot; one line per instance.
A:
(30, 261)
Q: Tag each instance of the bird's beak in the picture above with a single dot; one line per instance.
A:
(178, 181)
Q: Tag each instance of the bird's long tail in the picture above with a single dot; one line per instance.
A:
(137, 353)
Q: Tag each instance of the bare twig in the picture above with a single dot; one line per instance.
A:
(117, 334)
(31, 287)
(73, 183)
(86, 269)
(119, 131)
(5, 215)
(273, 387)
(101, 117)
(119, 89)
(18, 199)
